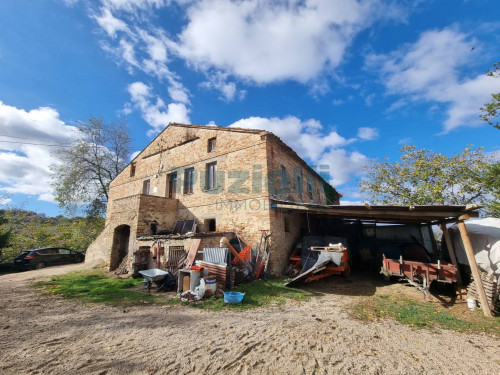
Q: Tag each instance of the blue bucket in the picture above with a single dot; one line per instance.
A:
(233, 297)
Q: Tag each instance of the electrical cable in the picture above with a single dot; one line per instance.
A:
(37, 144)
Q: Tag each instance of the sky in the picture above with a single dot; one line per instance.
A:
(343, 82)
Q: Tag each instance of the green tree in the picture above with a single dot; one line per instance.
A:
(5, 234)
(492, 181)
(422, 177)
(89, 165)
(491, 110)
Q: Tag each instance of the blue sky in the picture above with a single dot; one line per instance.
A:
(342, 82)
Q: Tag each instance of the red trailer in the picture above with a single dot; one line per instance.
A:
(419, 274)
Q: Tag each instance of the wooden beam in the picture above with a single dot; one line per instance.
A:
(379, 214)
(474, 268)
(451, 251)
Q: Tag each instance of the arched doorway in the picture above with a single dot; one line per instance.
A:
(121, 237)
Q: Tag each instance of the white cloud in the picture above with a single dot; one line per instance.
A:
(4, 201)
(310, 141)
(141, 50)
(25, 166)
(134, 5)
(266, 41)
(367, 134)
(155, 112)
(155, 46)
(110, 23)
(219, 81)
(254, 41)
(430, 70)
(343, 165)
(405, 141)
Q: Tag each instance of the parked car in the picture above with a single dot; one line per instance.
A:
(49, 256)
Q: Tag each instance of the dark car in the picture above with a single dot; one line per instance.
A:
(49, 256)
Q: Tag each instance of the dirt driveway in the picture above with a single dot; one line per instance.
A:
(48, 335)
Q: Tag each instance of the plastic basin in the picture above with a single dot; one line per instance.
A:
(233, 297)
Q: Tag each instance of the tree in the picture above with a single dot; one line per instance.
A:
(492, 181)
(4, 234)
(425, 178)
(492, 110)
(89, 165)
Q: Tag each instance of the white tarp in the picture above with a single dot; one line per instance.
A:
(484, 236)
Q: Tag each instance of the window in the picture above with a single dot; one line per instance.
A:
(212, 144)
(132, 170)
(188, 180)
(299, 184)
(283, 177)
(211, 176)
(48, 252)
(145, 187)
(309, 190)
(210, 225)
(64, 251)
(172, 184)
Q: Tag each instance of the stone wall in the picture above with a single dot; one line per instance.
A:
(285, 237)
(125, 212)
(154, 208)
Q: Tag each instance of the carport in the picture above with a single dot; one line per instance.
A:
(422, 216)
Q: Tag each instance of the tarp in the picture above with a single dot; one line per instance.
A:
(484, 235)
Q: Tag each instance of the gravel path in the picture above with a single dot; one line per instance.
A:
(49, 335)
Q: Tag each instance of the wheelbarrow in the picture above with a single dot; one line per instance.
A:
(153, 275)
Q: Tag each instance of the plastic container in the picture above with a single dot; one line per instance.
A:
(471, 303)
(233, 297)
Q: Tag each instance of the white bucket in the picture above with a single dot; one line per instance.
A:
(211, 283)
(471, 303)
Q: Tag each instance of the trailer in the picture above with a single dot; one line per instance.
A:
(419, 274)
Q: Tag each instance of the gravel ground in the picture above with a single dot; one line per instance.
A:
(42, 334)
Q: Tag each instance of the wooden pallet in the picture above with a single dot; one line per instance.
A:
(491, 288)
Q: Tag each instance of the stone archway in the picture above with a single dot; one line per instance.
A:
(121, 237)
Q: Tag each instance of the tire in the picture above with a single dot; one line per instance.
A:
(39, 266)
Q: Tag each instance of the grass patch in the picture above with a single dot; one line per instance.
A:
(260, 293)
(97, 287)
(422, 315)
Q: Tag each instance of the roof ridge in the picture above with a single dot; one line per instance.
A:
(223, 128)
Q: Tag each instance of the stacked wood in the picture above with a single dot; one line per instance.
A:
(122, 268)
(492, 289)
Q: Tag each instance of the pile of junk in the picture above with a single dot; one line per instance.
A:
(212, 271)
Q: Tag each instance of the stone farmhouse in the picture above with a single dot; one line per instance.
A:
(204, 182)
